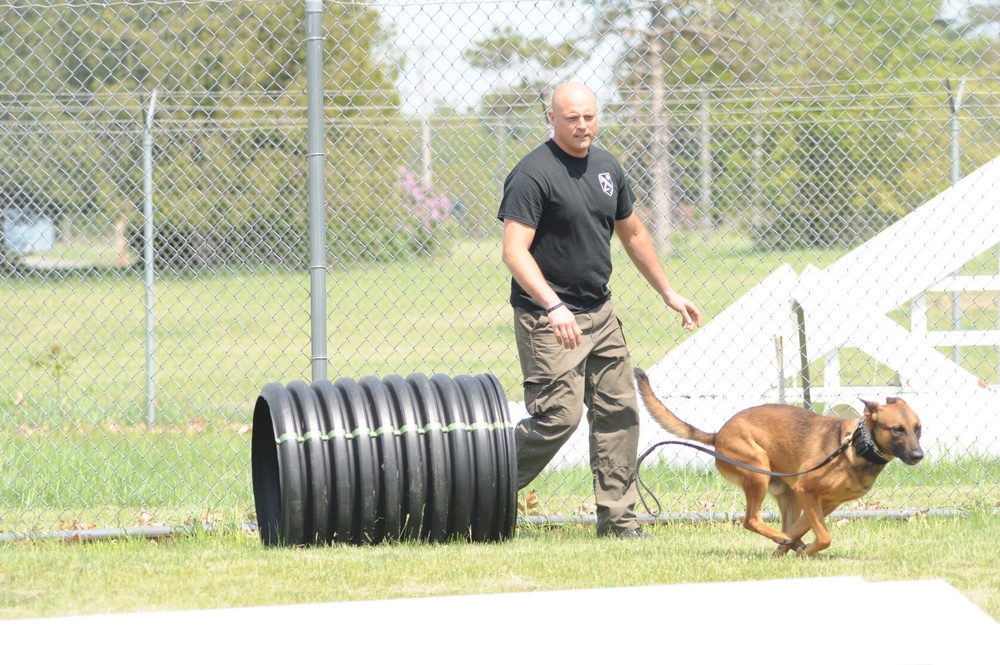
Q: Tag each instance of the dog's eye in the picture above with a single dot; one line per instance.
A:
(898, 430)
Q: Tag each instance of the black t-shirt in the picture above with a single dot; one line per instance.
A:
(573, 204)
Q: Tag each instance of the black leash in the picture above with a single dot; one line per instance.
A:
(728, 460)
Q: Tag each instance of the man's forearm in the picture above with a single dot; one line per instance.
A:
(640, 249)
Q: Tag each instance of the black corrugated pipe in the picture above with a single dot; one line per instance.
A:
(368, 461)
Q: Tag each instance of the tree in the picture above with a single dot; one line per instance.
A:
(774, 62)
(675, 51)
(229, 133)
(845, 173)
(537, 63)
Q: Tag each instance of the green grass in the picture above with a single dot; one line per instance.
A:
(82, 251)
(89, 476)
(74, 447)
(100, 478)
(74, 450)
(232, 569)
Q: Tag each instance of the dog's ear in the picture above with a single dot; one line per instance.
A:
(894, 400)
(871, 408)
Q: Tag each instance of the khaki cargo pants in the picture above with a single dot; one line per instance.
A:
(558, 383)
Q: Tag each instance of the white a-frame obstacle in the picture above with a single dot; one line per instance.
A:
(747, 353)
(750, 353)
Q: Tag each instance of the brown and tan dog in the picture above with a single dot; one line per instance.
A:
(789, 439)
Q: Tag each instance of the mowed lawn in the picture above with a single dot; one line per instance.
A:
(75, 453)
(232, 569)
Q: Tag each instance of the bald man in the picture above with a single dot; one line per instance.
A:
(561, 205)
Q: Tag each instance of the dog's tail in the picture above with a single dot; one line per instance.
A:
(665, 417)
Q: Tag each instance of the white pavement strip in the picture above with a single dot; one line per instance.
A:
(842, 620)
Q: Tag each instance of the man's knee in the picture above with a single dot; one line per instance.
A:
(558, 419)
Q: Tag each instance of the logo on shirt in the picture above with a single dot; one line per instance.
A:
(607, 184)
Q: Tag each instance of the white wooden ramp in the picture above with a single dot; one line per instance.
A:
(726, 366)
(733, 356)
(926, 245)
(732, 362)
(823, 621)
(838, 315)
(847, 305)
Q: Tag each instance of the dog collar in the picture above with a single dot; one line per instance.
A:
(864, 444)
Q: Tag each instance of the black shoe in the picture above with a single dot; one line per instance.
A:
(634, 534)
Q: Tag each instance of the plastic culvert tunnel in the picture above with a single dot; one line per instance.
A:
(368, 461)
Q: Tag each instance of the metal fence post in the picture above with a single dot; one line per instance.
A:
(800, 318)
(148, 239)
(317, 199)
(955, 102)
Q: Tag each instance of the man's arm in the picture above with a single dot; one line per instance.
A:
(517, 239)
(639, 246)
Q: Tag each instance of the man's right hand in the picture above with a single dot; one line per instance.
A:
(567, 332)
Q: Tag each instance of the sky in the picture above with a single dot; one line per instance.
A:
(440, 33)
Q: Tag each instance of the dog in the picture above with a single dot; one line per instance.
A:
(789, 440)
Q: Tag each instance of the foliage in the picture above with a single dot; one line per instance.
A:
(229, 125)
(807, 104)
(841, 179)
(510, 113)
(507, 48)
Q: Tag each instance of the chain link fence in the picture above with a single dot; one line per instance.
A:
(828, 164)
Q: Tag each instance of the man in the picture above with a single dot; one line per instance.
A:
(560, 207)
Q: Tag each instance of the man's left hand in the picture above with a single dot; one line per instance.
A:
(690, 315)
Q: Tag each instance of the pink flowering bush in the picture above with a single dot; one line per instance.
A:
(424, 213)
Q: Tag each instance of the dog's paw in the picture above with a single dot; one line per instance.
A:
(787, 546)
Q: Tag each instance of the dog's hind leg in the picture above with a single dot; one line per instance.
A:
(755, 490)
(790, 510)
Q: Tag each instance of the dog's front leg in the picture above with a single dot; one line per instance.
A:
(812, 518)
(796, 531)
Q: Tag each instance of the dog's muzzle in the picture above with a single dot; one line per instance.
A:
(909, 456)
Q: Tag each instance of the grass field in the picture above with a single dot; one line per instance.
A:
(231, 569)
(76, 451)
